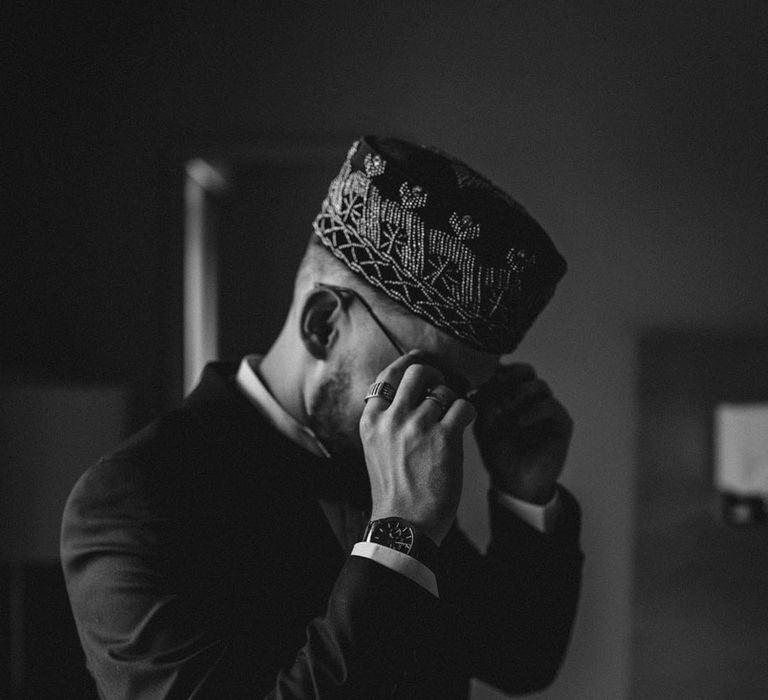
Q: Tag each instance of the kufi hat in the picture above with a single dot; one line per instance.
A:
(440, 239)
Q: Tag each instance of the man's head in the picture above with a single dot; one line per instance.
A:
(411, 249)
(349, 331)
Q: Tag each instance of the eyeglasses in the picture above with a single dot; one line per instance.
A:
(367, 306)
(458, 383)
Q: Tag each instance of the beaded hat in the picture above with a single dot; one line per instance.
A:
(440, 239)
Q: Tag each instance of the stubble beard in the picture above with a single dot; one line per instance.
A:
(337, 428)
(329, 420)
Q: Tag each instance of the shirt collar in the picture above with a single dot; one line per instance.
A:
(249, 382)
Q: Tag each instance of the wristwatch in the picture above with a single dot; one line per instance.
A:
(402, 536)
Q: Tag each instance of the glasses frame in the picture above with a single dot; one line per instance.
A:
(359, 297)
(452, 379)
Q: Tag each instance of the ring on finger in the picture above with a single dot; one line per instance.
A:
(380, 390)
(438, 399)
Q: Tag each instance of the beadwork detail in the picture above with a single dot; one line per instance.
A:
(374, 165)
(481, 277)
(412, 197)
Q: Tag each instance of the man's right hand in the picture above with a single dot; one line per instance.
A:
(414, 452)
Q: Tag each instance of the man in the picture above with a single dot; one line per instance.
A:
(290, 531)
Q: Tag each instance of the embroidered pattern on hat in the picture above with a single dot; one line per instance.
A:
(374, 164)
(431, 257)
(412, 197)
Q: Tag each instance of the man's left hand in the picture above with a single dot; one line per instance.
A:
(523, 433)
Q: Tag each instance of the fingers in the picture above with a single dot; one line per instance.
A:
(393, 375)
(530, 419)
(435, 403)
(515, 372)
(528, 393)
(460, 414)
(410, 379)
(503, 397)
(510, 405)
(415, 382)
(506, 377)
(550, 412)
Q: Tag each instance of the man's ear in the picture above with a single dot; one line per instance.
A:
(319, 321)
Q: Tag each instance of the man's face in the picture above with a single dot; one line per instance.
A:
(365, 351)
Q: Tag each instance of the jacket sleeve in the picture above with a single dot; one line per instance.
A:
(148, 634)
(365, 643)
(514, 607)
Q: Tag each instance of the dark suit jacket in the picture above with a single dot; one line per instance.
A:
(199, 564)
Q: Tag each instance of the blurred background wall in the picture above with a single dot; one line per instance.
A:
(635, 133)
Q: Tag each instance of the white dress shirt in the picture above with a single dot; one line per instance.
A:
(542, 518)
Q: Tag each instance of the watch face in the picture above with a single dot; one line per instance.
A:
(393, 534)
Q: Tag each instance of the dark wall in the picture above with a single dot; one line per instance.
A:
(634, 131)
(701, 584)
(85, 257)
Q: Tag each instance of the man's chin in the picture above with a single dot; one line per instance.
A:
(338, 431)
(339, 444)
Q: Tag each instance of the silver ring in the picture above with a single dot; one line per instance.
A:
(432, 396)
(381, 390)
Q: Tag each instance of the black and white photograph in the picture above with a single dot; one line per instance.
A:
(384, 350)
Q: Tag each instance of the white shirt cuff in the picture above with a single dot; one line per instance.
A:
(397, 561)
(543, 518)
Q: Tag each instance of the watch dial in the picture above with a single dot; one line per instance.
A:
(395, 535)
